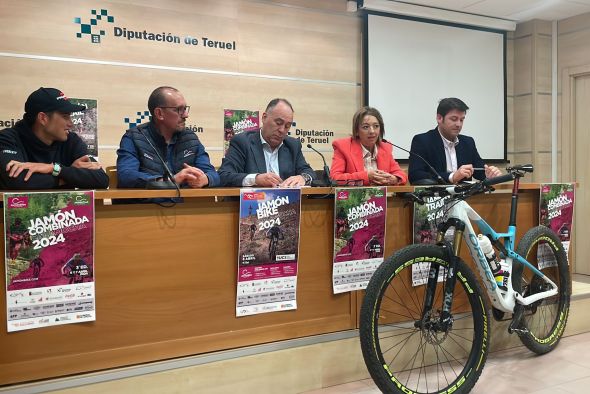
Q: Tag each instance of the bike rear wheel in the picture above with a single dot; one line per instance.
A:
(544, 321)
(403, 351)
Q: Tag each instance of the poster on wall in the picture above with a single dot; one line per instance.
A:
(49, 258)
(426, 218)
(268, 250)
(236, 121)
(556, 211)
(359, 236)
(86, 124)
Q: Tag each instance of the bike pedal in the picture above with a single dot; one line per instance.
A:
(516, 318)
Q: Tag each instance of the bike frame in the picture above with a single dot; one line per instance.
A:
(502, 300)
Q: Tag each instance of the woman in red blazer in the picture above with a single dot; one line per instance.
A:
(364, 156)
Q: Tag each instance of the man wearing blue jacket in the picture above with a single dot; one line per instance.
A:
(137, 160)
(453, 156)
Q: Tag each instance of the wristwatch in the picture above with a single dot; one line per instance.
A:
(307, 178)
(56, 169)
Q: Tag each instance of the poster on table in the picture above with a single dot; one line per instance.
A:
(556, 211)
(49, 258)
(236, 121)
(426, 218)
(268, 250)
(359, 236)
(85, 123)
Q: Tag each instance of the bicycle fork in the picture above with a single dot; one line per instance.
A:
(451, 251)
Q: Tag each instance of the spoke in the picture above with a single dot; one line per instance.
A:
(413, 360)
(395, 356)
(396, 344)
(439, 363)
(399, 314)
(411, 292)
(459, 344)
(381, 337)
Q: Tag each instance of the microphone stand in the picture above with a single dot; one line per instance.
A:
(161, 185)
(327, 181)
(436, 175)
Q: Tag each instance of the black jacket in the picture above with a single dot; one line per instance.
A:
(245, 156)
(430, 146)
(20, 144)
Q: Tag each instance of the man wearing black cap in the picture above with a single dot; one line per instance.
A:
(40, 152)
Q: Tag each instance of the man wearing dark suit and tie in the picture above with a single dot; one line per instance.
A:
(267, 158)
(453, 156)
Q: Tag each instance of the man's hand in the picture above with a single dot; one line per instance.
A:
(186, 175)
(84, 162)
(14, 168)
(492, 171)
(198, 180)
(268, 179)
(463, 172)
(293, 181)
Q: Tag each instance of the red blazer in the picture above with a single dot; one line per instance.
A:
(347, 162)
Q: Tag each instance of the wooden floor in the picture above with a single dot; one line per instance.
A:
(516, 371)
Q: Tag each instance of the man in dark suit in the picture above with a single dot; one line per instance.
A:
(267, 158)
(453, 156)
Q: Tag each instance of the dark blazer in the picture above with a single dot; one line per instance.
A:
(348, 164)
(245, 156)
(430, 146)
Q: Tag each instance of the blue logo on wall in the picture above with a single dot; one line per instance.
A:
(141, 117)
(91, 28)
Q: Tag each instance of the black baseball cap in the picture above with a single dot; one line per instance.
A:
(48, 100)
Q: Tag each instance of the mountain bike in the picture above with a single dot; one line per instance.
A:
(422, 332)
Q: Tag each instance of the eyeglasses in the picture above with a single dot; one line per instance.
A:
(180, 110)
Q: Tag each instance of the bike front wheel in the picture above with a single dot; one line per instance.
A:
(404, 349)
(543, 322)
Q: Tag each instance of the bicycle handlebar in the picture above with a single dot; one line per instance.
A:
(469, 189)
(499, 179)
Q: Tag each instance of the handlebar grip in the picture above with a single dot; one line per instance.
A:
(498, 179)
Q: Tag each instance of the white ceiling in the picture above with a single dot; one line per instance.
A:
(516, 10)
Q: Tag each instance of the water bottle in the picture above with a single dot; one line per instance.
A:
(498, 266)
(502, 275)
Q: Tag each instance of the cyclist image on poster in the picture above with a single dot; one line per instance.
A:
(373, 247)
(556, 211)
(361, 229)
(359, 233)
(274, 234)
(557, 207)
(268, 250)
(49, 246)
(36, 264)
(43, 235)
(252, 231)
(269, 226)
(76, 269)
(426, 218)
(18, 238)
(236, 121)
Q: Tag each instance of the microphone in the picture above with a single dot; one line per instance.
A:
(327, 181)
(170, 183)
(438, 178)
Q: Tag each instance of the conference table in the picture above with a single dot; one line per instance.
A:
(165, 281)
